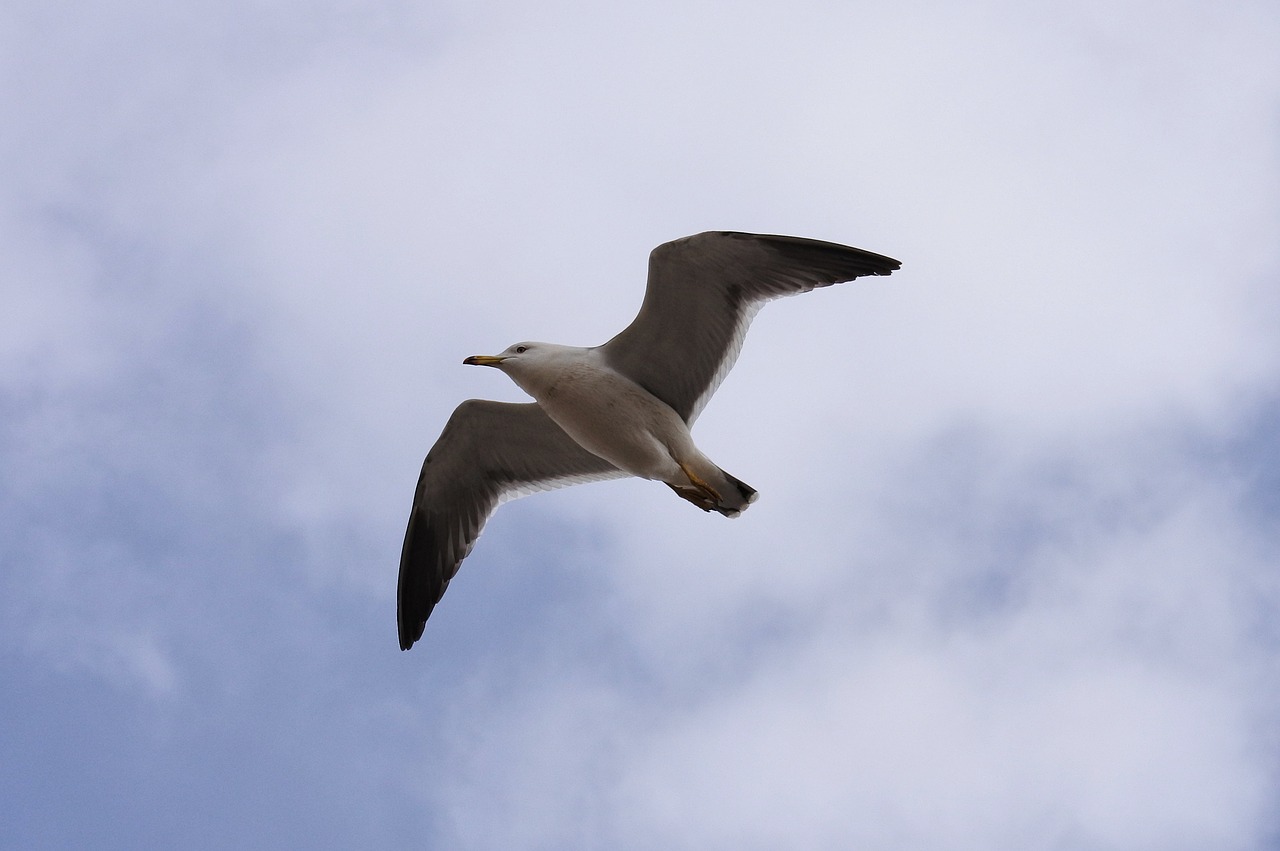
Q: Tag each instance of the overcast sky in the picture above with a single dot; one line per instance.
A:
(1012, 580)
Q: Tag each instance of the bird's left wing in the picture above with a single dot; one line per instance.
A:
(702, 293)
(489, 452)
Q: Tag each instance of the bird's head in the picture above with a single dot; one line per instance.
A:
(518, 352)
(529, 364)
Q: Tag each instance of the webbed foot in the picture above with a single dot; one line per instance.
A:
(695, 496)
(708, 492)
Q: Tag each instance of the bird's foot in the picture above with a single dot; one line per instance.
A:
(708, 492)
(694, 495)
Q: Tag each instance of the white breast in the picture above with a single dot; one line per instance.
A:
(613, 417)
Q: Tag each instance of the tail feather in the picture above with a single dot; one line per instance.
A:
(735, 499)
(712, 489)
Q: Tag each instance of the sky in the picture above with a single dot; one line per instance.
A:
(1012, 579)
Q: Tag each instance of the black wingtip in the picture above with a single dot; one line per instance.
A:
(409, 628)
(843, 262)
(413, 596)
(408, 637)
(411, 625)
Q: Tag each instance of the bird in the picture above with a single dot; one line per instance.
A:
(624, 408)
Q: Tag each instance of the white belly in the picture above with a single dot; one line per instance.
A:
(619, 421)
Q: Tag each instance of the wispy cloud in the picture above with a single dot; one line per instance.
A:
(1011, 580)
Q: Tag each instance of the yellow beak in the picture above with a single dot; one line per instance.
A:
(484, 360)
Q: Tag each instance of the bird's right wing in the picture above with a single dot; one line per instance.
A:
(489, 452)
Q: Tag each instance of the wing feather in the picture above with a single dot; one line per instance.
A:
(488, 453)
(702, 294)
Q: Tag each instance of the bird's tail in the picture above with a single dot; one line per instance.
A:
(735, 495)
(712, 489)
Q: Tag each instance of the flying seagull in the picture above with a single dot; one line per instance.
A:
(623, 408)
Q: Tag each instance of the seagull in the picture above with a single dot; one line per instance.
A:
(620, 409)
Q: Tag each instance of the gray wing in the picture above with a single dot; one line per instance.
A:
(489, 452)
(702, 294)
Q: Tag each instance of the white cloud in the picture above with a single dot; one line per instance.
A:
(1001, 589)
(1099, 688)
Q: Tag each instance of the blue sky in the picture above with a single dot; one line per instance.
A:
(1011, 582)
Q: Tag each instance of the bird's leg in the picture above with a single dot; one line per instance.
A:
(705, 489)
(694, 495)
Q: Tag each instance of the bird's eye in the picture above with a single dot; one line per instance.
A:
(520, 349)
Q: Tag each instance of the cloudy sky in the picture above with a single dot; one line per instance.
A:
(1012, 580)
